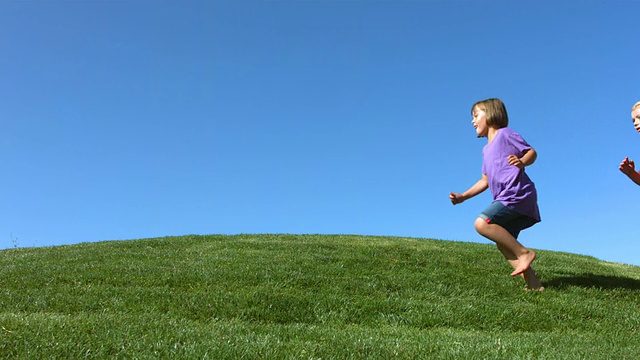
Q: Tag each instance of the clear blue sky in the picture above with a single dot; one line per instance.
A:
(133, 119)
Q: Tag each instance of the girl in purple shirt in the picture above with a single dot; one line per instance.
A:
(515, 205)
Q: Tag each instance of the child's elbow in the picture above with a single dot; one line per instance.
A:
(533, 155)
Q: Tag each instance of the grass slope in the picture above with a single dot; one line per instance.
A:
(310, 296)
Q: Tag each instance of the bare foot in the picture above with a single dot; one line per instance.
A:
(533, 283)
(524, 262)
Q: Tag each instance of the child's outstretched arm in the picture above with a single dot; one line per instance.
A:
(628, 168)
(476, 189)
(528, 158)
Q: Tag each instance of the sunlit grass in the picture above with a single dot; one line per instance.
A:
(310, 296)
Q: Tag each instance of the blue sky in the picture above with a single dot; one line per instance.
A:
(133, 119)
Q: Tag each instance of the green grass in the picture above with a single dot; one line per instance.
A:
(310, 297)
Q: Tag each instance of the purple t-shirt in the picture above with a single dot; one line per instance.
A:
(509, 184)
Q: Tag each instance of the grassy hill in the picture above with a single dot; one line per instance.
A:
(310, 297)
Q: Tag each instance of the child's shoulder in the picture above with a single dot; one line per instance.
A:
(513, 137)
(509, 132)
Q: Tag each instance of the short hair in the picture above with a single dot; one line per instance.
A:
(496, 112)
(636, 106)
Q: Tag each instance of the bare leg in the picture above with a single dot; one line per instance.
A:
(529, 276)
(501, 236)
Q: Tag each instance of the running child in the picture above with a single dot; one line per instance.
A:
(515, 201)
(627, 166)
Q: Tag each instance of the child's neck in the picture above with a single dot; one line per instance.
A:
(491, 134)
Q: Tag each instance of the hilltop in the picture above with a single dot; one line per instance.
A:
(259, 296)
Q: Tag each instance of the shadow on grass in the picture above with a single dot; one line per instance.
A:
(594, 281)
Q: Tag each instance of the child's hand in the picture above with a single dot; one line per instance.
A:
(515, 161)
(456, 198)
(627, 166)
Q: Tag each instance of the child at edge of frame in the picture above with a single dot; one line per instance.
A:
(515, 200)
(627, 166)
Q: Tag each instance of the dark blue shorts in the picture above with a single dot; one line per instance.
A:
(501, 215)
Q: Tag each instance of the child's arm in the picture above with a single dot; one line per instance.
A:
(528, 158)
(628, 168)
(476, 189)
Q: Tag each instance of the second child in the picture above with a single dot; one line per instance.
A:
(627, 166)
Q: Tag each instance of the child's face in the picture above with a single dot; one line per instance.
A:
(479, 122)
(635, 116)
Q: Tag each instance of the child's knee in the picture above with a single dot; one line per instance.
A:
(480, 224)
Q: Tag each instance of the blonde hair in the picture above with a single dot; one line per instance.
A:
(636, 106)
(495, 110)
